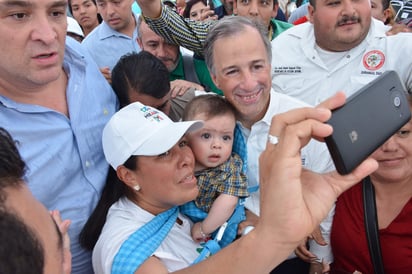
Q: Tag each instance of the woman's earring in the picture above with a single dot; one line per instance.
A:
(136, 187)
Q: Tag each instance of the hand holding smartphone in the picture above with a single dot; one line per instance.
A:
(369, 117)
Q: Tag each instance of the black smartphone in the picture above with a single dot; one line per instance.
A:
(370, 117)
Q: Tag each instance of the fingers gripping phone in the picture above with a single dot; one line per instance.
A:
(370, 117)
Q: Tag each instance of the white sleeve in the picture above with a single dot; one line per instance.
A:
(324, 253)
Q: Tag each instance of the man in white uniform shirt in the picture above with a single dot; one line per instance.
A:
(341, 49)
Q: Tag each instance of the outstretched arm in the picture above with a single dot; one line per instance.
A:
(293, 200)
(173, 27)
(150, 8)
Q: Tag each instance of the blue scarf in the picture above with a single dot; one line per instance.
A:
(143, 242)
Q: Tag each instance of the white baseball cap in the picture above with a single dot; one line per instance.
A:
(141, 130)
(74, 27)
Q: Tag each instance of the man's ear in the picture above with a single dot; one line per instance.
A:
(388, 13)
(235, 7)
(311, 10)
(275, 10)
(139, 42)
(127, 176)
(214, 79)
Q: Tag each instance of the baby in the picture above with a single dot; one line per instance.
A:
(218, 170)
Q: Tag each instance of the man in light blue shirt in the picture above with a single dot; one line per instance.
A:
(55, 103)
(115, 36)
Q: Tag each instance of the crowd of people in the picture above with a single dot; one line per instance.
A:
(189, 138)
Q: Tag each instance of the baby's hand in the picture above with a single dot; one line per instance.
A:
(198, 235)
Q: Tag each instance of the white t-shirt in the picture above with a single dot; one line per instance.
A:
(177, 251)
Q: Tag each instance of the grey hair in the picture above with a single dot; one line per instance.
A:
(230, 26)
(138, 25)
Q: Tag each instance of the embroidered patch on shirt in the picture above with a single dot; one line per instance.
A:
(373, 60)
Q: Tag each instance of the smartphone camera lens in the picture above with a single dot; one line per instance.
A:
(396, 99)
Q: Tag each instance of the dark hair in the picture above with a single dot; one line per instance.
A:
(312, 3)
(142, 73)
(21, 252)
(113, 190)
(12, 167)
(211, 105)
(385, 4)
(69, 5)
(191, 3)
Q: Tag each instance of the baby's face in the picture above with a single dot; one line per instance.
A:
(212, 144)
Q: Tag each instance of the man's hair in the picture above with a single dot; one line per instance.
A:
(142, 73)
(385, 4)
(312, 3)
(230, 26)
(12, 167)
(211, 105)
(138, 26)
(20, 250)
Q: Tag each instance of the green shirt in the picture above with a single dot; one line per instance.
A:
(279, 27)
(201, 71)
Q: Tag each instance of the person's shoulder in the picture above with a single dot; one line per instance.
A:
(185, 98)
(281, 24)
(74, 49)
(399, 40)
(76, 53)
(96, 34)
(235, 159)
(121, 222)
(93, 34)
(298, 32)
(400, 36)
(286, 100)
(233, 165)
(280, 103)
(301, 29)
(190, 94)
(128, 212)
